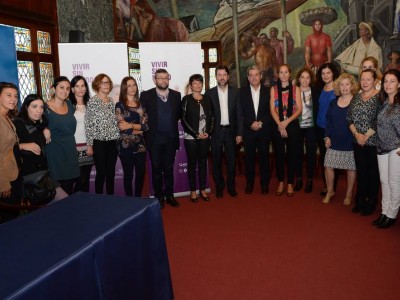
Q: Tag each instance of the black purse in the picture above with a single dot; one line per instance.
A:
(39, 188)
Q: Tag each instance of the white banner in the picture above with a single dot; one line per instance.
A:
(89, 60)
(181, 60)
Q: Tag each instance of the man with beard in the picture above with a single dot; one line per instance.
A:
(318, 47)
(163, 108)
(227, 131)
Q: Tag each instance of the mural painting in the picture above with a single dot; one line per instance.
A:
(315, 31)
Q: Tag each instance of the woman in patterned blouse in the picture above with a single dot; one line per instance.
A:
(132, 121)
(361, 119)
(388, 132)
(102, 133)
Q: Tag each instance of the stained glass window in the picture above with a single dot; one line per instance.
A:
(212, 55)
(135, 73)
(134, 57)
(44, 45)
(22, 39)
(213, 79)
(202, 56)
(46, 78)
(26, 78)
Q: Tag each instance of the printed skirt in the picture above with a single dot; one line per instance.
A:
(340, 159)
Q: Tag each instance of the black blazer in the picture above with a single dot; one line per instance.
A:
(148, 100)
(191, 115)
(235, 114)
(249, 114)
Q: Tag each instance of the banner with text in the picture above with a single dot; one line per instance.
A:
(89, 60)
(181, 60)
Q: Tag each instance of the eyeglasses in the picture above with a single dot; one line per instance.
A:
(162, 78)
(105, 82)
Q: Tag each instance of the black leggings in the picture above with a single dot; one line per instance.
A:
(105, 157)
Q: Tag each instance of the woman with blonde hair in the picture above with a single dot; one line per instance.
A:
(338, 137)
(371, 62)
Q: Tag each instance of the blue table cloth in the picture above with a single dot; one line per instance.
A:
(86, 247)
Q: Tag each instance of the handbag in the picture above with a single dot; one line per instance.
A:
(83, 158)
(39, 187)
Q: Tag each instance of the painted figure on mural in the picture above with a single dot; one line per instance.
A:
(264, 55)
(350, 59)
(396, 25)
(394, 61)
(136, 20)
(277, 44)
(318, 45)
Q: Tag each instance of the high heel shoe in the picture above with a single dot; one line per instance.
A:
(309, 186)
(193, 199)
(324, 192)
(298, 185)
(347, 201)
(328, 197)
(290, 191)
(205, 198)
(280, 190)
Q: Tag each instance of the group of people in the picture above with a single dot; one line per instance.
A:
(354, 125)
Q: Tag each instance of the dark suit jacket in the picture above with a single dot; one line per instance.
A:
(235, 117)
(249, 114)
(148, 100)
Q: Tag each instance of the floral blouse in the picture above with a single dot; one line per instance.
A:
(100, 122)
(388, 130)
(128, 142)
(362, 114)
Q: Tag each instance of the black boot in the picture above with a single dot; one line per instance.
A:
(309, 186)
(298, 185)
(378, 221)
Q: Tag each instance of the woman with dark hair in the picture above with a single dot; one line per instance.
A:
(388, 142)
(10, 181)
(305, 81)
(30, 125)
(361, 119)
(79, 97)
(102, 133)
(198, 122)
(286, 107)
(326, 75)
(132, 121)
(62, 157)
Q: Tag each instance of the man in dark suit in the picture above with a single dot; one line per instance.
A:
(227, 131)
(257, 122)
(163, 108)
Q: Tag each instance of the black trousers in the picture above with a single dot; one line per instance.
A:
(224, 143)
(322, 150)
(367, 176)
(256, 142)
(307, 138)
(82, 183)
(287, 149)
(105, 157)
(14, 199)
(162, 155)
(133, 163)
(68, 185)
(196, 153)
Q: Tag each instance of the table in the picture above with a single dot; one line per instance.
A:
(86, 246)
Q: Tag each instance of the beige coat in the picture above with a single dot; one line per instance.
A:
(8, 164)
